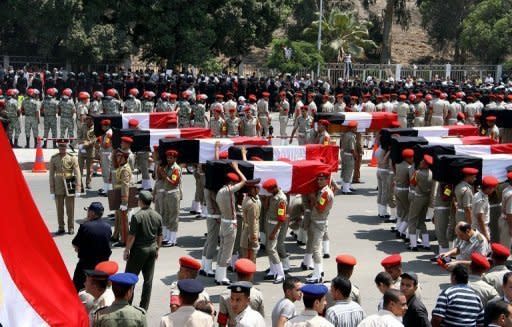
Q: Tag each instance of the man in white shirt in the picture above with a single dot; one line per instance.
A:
(240, 299)
(284, 309)
(395, 306)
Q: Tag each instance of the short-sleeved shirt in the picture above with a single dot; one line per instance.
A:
(506, 201)
(481, 206)
(464, 195)
(345, 314)
(284, 307)
(146, 226)
(459, 305)
(476, 243)
(226, 201)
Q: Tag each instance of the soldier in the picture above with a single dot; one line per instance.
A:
(383, 181)
(244, 315)
(226, 201)
(189, 268)
(132, 104)
(98, 292)
(298, 105)
(141, 159)
(492, 130)
(392, 264)
(422, 182)
(494, 276)
(229, 104)
(245, 270)
(49, 110)
(323, 136)
(122, 181)
(217, 124)
(348, 149)
(66, 111)
(13, 114)
(403, 174)
(121, 313)
(64, 172)
(402, 110)
(105, 148)
(420, 110)
(315, 302)
(439, 110)
(444, 222)
(86, 146)
(250, 125)
(284, 110)
(251, 209)
(339, 105)
(171, 175)
(82, 109)
(184, 110)
(218, 103)
(173, 104)
(148, 105)
(368, 105)
(96, 106)
(30, 109)
(321, 203)
(454, 109)
(142, 244)
(275, 220)
(233, 123)
(199, 111)
(263, 113)
(312, 109)
(478, 267)
(327, 105)
(481, 208)
(303, 125)
(464, 195)
(186, 315)
(505, 223)
(111, 103)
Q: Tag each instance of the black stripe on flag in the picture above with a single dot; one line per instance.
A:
(399, 143)
(265, 153)
(188, 149)
(503, 117)
(116, 121)
(432, 150)
(385, 135)
(332, 117)
(216, 170)
(447, 168)
(140, 138)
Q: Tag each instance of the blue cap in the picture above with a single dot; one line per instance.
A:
(96, 207)
(192, 286)
(314, 290)
(127, 279)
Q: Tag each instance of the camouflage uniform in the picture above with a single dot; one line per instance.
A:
(66, 110)
(148, 106)
(96, 107)
(184, 114)
(199, 111)
(111, 105)
(30, 108)
(13, 113)
(133, 104)
(50, 108)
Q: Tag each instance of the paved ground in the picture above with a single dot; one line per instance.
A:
(353, 228)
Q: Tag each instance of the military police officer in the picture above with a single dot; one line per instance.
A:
(13, 114)
(86, 146)
(30, 109)
(49, 109)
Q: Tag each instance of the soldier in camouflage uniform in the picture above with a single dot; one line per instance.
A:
(199, 111)
(132, 104)
(217, 124)
(184, 111)
(82, 109)
(233, 124)
(163, 104)
(148, 105)
(111, 104)
(66, 111)
(49, 110)
(96, 106)
(13, 114)
(86, 146)
(30, 109)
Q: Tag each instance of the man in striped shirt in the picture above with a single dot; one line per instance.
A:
(458, 305)
(345, 312)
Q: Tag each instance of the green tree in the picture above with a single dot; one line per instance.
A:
(341, 33)
(487, 31)
(304, 56)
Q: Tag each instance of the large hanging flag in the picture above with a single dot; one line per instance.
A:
(35, 287)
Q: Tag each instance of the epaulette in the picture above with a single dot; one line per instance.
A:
(140, 309)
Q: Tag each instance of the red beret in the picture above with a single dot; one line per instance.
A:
(172, 153)
(500, 97)
(412, 97)
(500, 250)
(269, 184)
(490, 181)
(324, 122)
(391, 261)
(108, 267)
(189, 262)
(407, 153)
(325, 96)
(219, 96)
(155, 147)
(304, 108)
(509, 175)
(469, 171)
(298, 94)
(352, 124)
(245, 266)
(247, 108)
(480, 261)
(346, 259)
(428, 159)
(218, 109)
(173, 96)
(265, 94)
(252, 97)
(126, 139)
(223, 155)
(395, 124)
(105, 122)
(490, 118)
(133, 122)
(282, 93)
(403, 97)
(509, 97)
(233, 177)
(232, 110)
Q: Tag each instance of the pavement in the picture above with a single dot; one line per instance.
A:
(353, 228)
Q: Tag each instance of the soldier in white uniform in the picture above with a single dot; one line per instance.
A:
(327, 105)
(240, 300)
(284, 110)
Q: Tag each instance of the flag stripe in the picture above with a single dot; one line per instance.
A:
(281, 171)
(151, 120)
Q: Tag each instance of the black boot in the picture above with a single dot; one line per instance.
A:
(16, 146)
(28, 142)
(35, 142)
(45, 145)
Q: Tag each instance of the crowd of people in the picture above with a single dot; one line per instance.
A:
(240, 221)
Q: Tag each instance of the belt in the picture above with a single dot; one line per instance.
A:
(441, 208)
(173, 191)
(229, 221)
(401, 188)
(460, 210)
(212, 216)
(347, 153)
(320, 222)
(272, 222)
(495, 205)
(437, 116)
(160, 191)
(383, 170)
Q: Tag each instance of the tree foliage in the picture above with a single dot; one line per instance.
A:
(304, 56)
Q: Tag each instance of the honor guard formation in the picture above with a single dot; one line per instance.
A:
(463, 203)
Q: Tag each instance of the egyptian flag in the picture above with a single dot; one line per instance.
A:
(144, 140)
(372, 121)
(430, 131)
(461, 150)
(201, 150)
(503, 117)
(328, 154)
(296, 177)
(153, 120)
(35, 287)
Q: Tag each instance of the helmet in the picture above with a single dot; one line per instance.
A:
(52, 91)
(134, 92)
(98, 94)
(164, 95)
(84, 95)
(111, 92)
(149, 94)
(67, 92)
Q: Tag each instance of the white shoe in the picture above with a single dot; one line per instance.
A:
(204, 211)
(220, 276)
(286, 264)
(317, 275)
(146, 184)
(425, 241)
(279, 278)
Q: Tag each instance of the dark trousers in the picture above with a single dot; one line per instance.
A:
(79, 274)
(143, 259)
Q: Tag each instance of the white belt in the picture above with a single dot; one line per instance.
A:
(383, 170)
(229, 221)
(160, 191)
(460, 210)
(212, 216)
(321, 222)
(495, 205)
(441, 208)
(173, 191)
(437, 116)
(347, 153)
(413, 192)
(401, 188)
(272, 222)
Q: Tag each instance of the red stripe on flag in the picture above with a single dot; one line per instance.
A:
(195, 133)
(462, 130)
(477, 140)
(249, 140)
(501, 148)
(29, 252)
(382, 120)
(328, 154)
(163, 120)
(304, 175)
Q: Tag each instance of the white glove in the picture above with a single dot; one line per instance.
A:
(52, 196)
(77, 195)
(122, 207)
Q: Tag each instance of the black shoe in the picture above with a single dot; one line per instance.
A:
(269, 277)
(101, 193)
(194, 212)
(311, 275)
(230, 269)
(393, 229)
(88, 187)
(309, 280)
(387, 216)
(202, 272)
(413, 249)
(304, 267)
(114, 240)
(300, 243)
(225, 283)
(327, 256)
(352, 189)
(346, 193)
(60, 232)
